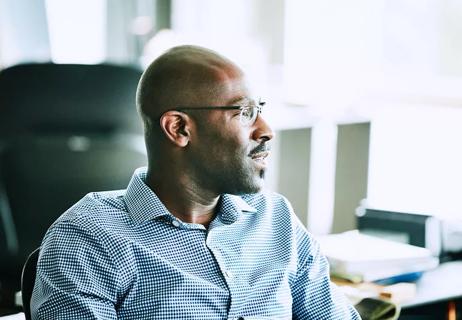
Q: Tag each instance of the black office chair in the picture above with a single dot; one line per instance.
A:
(65, 130)
(70, 98)
(44, 176)
(28, 280)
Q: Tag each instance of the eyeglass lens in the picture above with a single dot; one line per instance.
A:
(249, 114)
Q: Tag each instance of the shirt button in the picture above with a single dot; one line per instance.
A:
(175, 223)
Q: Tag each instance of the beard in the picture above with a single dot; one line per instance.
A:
(229, 172)
(243, 178)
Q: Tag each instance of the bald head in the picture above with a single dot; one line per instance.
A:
(183, 76)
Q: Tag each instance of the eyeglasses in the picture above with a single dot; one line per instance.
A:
(247, 116)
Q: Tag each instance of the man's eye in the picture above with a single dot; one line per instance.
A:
(246, 112)
(237, 113)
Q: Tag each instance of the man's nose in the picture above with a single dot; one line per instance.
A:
(262, 131)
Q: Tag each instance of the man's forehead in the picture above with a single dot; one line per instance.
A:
(234, 90)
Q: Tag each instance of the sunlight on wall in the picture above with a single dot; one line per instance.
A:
(331, 55)
(331, 51)
(23, 32)
(322, 177)
(349, 58)
(416, 159)
(226, 26)
(77, 30)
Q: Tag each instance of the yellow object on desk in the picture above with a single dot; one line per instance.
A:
(396, 293)
(399, 292)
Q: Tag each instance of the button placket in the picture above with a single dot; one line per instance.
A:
(228, 276)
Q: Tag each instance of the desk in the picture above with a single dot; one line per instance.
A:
(437, 293)
(439, 285)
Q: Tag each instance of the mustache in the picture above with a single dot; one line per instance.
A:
(262, 147)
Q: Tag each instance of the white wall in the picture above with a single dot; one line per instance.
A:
(23, 32)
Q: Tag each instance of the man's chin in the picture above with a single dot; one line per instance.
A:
(255, 186)
(251, 182)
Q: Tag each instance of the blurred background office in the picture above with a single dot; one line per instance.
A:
(365, 96)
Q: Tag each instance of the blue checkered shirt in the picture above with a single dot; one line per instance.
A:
(122, 255)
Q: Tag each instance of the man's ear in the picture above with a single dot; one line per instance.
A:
(176, 126)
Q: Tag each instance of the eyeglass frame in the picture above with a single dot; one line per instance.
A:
(258, 106)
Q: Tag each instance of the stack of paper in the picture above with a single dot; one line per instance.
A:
(358, 257)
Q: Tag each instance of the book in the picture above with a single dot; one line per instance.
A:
(359, 257)
(405, 277)
(396, 293)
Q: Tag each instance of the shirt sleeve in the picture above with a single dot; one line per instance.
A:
(76, 277)
(314, 295)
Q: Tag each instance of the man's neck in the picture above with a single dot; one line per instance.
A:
(184, 200)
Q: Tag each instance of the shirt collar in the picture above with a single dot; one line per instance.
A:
(143, 204)
(231, 206)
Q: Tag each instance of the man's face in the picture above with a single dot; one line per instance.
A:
(229, 157)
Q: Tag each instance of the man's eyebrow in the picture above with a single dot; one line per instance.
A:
(239, 99)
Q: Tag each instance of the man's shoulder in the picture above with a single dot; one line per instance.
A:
(96, 207)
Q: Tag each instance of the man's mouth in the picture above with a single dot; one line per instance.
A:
(260, 156)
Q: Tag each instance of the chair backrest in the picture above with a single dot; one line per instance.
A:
(68, 97)
(44, 176)
(28, 280)
(65, 130)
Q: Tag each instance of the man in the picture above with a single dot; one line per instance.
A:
(191, 237)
